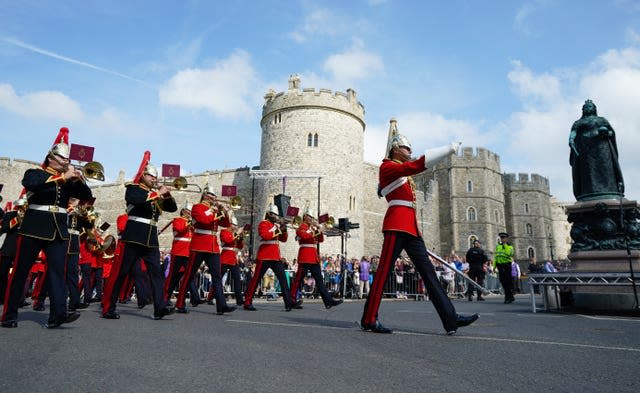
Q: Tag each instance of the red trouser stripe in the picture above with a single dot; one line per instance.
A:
(253, 284)
(37, 288)
(111, 281)
(295, 284)
(169, 278)
(184, 283)
(375, 294)
(13, 273)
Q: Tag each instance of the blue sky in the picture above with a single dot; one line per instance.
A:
(186, 80)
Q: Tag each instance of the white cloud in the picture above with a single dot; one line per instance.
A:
(41, 104)
(353, 64)
(227, 89)
(539, 133)
(314, 25)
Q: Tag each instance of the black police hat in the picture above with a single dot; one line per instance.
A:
(503, 234)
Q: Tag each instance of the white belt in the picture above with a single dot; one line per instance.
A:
(73, 231)
(230, 249)
(181, 239)
(268, 242)
(205, 232)
(143, 220)
(400, 202)
(307, 246)
(393, 185)
(48, 208)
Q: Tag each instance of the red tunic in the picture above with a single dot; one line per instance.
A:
(308, 238)
(205, 229)
(270, 235)
(230, 247)
(86, 256)
(181, 237)
(401, 213)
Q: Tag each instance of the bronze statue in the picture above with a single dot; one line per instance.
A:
(594, 157)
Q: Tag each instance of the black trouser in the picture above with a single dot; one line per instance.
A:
(394, 243)
(5, 265)
(56, 252)
(85, 270)
(151, 257)
(72, 281)
(477, 275)
(235, 279)
(213, 263)
(316, 273)
(504, 274)
(261, 269)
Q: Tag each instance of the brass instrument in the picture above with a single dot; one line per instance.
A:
(109, 245)
(92, 170)
(234, 203)
(292, 222)
(180, 183)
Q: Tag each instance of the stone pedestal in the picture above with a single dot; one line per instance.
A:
(601, 230)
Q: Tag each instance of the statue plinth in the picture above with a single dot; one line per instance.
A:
(600, 232)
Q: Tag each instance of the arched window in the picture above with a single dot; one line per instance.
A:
(526, 208)
(277, 118)
(309, 139)
(315, 140)
(472, 239)
(469, 186)
(529, 229)
(471, 214)
(531, 253)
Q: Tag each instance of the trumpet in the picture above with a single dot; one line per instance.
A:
(91, 170)
(234, 203)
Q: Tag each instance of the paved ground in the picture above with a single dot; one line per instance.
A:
(316, 350)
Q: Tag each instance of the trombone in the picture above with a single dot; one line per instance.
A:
(234, 203)
(91, 170)
(180, 183)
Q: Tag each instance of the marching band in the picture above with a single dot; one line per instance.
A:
(52, 232)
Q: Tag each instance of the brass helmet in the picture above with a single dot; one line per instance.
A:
(308, 211)
(399, 140)
(272, 208)
(151, 170)
(20, 202)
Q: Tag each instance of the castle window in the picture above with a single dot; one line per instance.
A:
(471, 214)
(309, 140)
(277, 119)
(315, 140)
(526, 208)
(496, 215)
(531, 252)
(472, 239)
(469, 186)
(529, 229)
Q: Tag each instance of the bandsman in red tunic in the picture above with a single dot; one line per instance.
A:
(400, 228)
(207, 216)
(180, 248)
(232, 243)
(271, 233)
(309, 235)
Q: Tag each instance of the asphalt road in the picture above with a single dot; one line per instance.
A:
(508, 349)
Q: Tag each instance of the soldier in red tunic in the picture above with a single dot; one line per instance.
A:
(400, 228)
(309, 234)
(232, 243)
(271, 234)
(207, 216)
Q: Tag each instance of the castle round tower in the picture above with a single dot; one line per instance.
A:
(321, 135)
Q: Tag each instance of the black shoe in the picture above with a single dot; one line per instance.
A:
(480, 299)
(297, 305)
(249, 307)
(462, 321)
(24, 304)
(376, 328)
(195, 304)
(82, 306)
(38, 307)
(163, 313)
(333, 303)
(226, 309)
(96, 299)
(70, 317)
(510, 300)
(210, 302)
(470, 298)
(111, 315)
(9, 324)
(182, 310)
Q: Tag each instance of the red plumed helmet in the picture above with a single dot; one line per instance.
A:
(60, 145)
(143, 165)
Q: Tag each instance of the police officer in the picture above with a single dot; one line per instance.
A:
(502, 263)
(145, 203)
(44, 227)
(476, 257)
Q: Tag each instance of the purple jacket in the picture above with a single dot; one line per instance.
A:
(364, 270)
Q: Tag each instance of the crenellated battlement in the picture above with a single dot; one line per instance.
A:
(296, 97)
(528, 181)
(474, 157)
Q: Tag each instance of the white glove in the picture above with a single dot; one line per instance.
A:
(435, 155)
